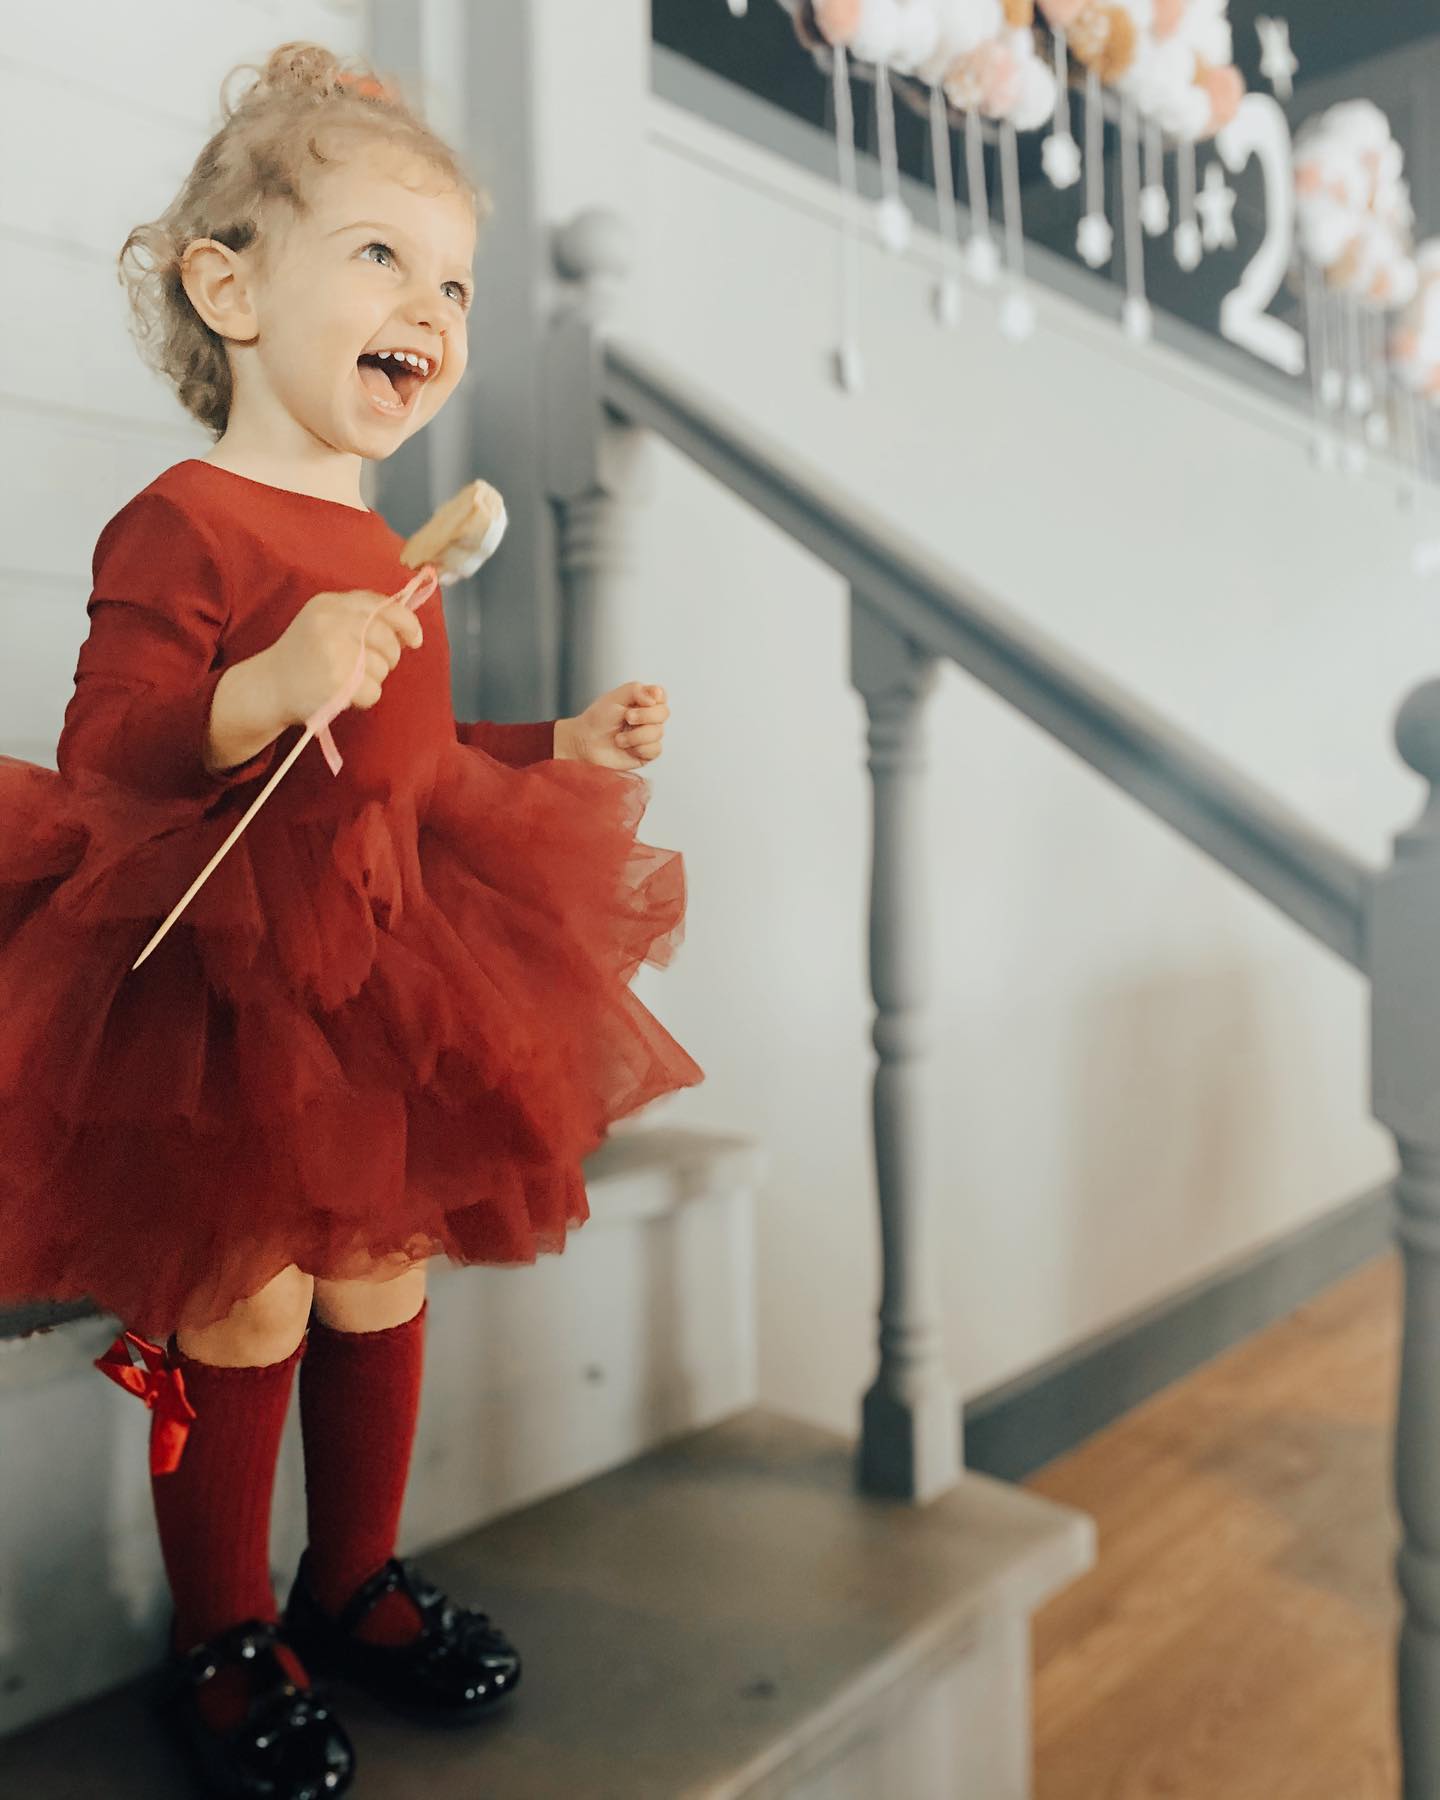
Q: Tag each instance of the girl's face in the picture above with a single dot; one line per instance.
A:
(375, 266)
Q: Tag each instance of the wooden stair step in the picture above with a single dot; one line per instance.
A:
(721, 1617)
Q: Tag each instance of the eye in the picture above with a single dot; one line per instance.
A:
(384, 248)
(461, 294)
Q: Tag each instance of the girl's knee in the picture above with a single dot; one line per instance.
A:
(374, 1302)
(264, 1327)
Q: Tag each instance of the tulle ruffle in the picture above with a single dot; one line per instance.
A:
(387, 1030)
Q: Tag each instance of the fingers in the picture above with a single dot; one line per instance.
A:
(403, 623)
(378, 664)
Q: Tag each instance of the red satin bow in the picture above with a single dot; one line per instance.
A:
(162, 1388)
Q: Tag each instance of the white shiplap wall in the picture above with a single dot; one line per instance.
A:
(103, 106)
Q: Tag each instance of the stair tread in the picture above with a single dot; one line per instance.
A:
(687, 1621)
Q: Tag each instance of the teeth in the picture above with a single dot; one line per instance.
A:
(419, 362)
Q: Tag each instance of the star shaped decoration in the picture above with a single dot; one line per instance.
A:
(1278, 61)
(1215, 204)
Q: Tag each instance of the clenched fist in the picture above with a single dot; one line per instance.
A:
(316, 652)
(619, 730)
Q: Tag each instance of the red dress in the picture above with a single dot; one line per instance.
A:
(398, 1014)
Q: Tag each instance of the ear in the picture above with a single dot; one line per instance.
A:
(216, 282)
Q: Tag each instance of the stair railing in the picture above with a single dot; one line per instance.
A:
(907, 611)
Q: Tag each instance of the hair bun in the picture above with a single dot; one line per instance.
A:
(303, 68)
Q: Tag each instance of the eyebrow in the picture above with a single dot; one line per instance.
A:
(367, 225)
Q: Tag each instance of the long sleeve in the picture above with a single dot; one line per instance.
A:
(513, 744)
(148, 670)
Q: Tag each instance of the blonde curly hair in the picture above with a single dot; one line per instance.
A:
(284, 126)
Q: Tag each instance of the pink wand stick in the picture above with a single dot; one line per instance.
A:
(415, 592)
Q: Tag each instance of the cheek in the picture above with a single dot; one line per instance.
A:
(455, 362)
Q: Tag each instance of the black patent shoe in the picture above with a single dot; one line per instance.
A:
(456, 1670)
(289, 1746)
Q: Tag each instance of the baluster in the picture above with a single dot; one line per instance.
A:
(1404, 943)
(910, 1418)
(596, 465)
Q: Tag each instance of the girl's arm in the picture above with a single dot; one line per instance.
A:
(514, 744)
(147, 675)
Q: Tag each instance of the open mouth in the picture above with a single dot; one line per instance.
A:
(392, 378)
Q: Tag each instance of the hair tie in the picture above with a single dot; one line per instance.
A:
(366, 86)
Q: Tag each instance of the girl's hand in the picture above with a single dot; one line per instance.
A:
(620, 730)
(316, 652)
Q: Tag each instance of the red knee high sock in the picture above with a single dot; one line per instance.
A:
(213, 1510)
(359, 1400)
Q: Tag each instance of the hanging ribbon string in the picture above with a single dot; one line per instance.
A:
(1060, 154)
(981, 257)
(1095, 239)
(847, 357)
(1135, 315)
(1317, 353)
(948, 292)
(1377, 420)
(414, 593)
(1357, 388)
(1187, 230)
(1154, 201)
(1017, 313)
(892, 217)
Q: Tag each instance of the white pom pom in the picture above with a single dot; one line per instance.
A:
(1060, 158)
(1137, 319)
(919, 34)
(1037, 94)
(947, 301)
(849, 369)
(1095, 240)
(982, 259)
(1017, 316)
(1154, 210)
(892, 224)
(1187, 244)
(877, 35)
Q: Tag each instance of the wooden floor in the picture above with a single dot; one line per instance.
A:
(1235, 1640)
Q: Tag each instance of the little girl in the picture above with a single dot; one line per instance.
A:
(396, 1017)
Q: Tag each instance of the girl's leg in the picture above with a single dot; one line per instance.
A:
(359, 1400)
(213, 1510)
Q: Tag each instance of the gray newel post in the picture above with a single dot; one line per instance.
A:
(595, 463)
(910, 1418)
(1405, 1092)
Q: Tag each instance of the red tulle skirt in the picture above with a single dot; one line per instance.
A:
(383, 1030)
